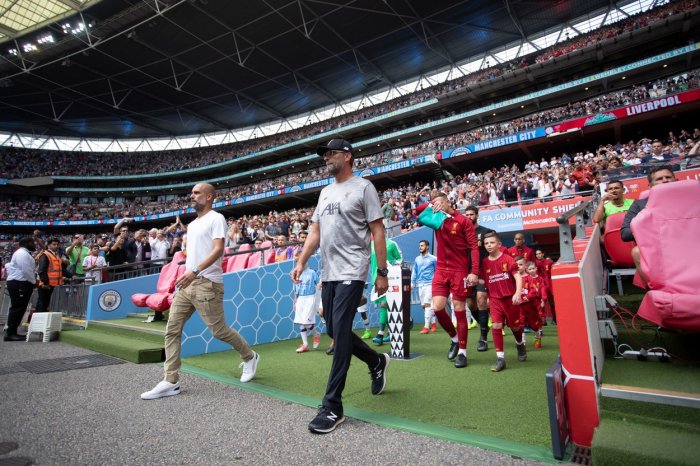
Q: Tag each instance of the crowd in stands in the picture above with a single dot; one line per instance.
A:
(26, 210)
(22, 163)
(565, 175)
(611, 31)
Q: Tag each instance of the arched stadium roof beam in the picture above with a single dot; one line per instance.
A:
(241, 60)
(425, 34)
(357, 54)
(87, 99)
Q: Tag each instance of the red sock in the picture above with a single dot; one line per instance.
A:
(497, 338)
(462, 329)
(445, 322)
(518, 334)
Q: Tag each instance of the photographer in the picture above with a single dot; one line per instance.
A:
(76, 252)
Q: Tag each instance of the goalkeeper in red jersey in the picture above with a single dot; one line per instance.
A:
(454, 274)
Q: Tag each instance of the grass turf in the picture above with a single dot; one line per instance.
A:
(137, 347)
(510, 405)
(136, 323)
(619, 441)
(677, 376)
(651, 414)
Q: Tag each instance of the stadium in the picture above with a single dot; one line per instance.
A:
(112, 111)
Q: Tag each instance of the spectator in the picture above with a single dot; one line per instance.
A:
(93, 265)
(159, 247)
(50, 272)
(657, 175)
(612, 202)
(76, 252)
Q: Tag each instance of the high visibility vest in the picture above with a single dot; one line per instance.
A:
(54, 271)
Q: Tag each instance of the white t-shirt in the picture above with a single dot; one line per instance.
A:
(201, 233)
(159, 249)
(94, 261)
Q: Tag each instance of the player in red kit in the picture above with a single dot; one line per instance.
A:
(519, 249)
(454, 273)
(500, 274)
(534, 295)
(544, 269)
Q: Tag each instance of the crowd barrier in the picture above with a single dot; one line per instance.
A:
(4, 301)
(577, 278)
(71, 298)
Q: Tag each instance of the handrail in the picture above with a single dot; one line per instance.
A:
(566, 244)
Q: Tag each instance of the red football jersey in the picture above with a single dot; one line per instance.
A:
(455, 239)
(534, 288)
(544, 270)
(526, 252)
(498, 275)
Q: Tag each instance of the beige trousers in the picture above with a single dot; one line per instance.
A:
(207, 298)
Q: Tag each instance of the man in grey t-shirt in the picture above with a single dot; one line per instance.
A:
(347, 213)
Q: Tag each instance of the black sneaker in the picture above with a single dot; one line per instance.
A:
(499, 366)
(460, 361)
(452, 353)
(329, 351)
(482, 346)
(522, 352)
(378, 374)
(326, 420)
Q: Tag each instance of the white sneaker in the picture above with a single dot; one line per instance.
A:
(164, 388)
(249, 368)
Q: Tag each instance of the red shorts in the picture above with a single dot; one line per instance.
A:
(504, 311)
(529, 315)
(447, 281)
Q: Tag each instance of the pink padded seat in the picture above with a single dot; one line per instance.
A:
(225, 259)
(666, 232)
(239, 261)
(162, 298)
(255, 260)
(269, 254)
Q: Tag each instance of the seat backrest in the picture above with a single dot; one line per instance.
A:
(237, 262)
(225, 259)
(244, 247)
(268, 254)
(170, 273)
(666, 231)
(619, 252)
(255, 260)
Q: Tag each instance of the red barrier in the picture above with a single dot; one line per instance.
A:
(574, 287)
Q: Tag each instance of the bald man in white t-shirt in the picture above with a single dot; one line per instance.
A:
(201, 287)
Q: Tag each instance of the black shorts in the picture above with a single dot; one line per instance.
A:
(479, 287)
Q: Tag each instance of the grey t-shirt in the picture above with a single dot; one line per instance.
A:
(343, 212)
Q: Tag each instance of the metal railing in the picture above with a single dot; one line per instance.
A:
(262, 251)
(4, 301)
(566, 242)
(137, 269)
(71, 298)
(521, 202)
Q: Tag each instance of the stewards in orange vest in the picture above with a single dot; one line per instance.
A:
(50, 271)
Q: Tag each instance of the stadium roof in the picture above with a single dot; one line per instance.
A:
(148, 68)
(20, 17)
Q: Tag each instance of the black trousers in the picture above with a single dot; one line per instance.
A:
(42, 304)
(340, 302)
(20, 294)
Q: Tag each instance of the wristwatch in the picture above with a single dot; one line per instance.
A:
(383, 272)
(196, 272)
